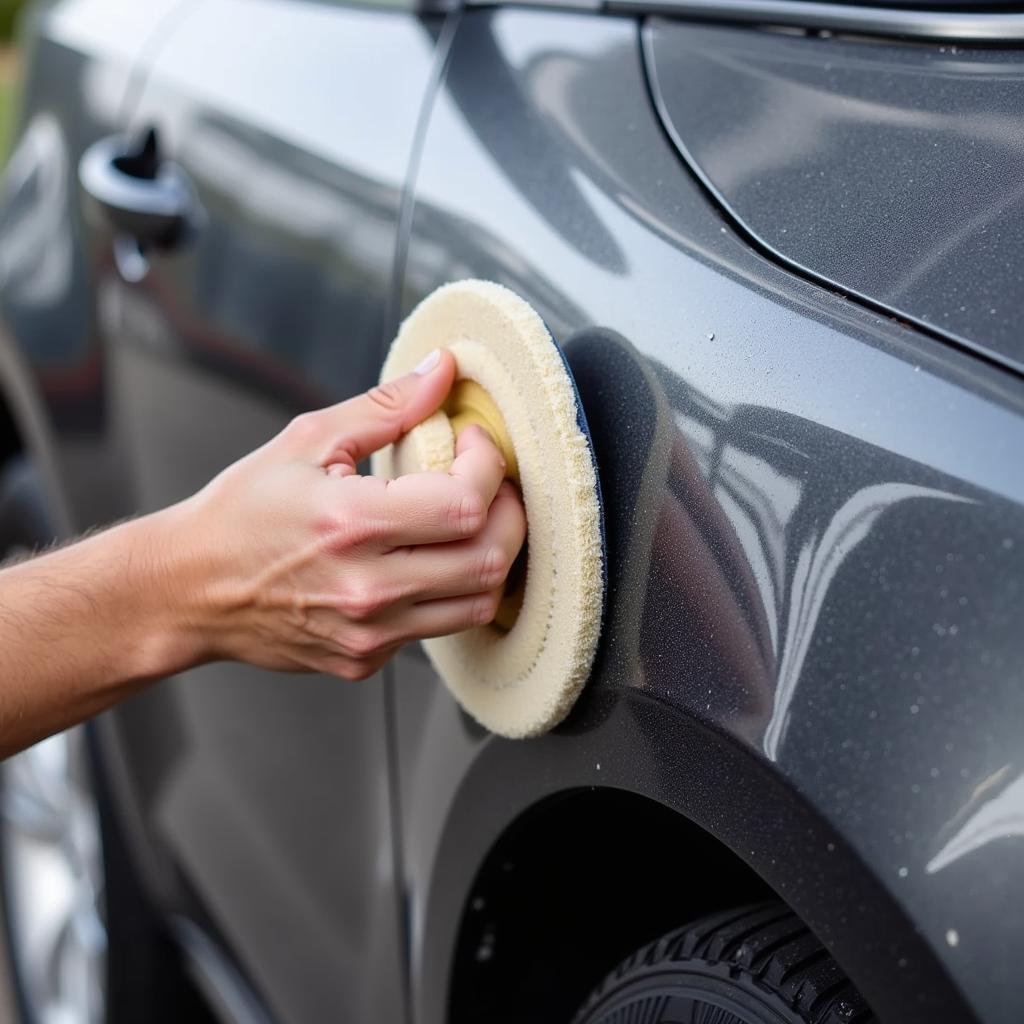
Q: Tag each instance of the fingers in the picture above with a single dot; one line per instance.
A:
(420, 508)
(434, 571)
(353, 669)
(350, 431)
(431, 508)
(478, 462)
(423, 591)
(370, 648)
(357, 650)
(450, 615)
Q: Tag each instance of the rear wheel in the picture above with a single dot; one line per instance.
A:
(752, 965)
(53, 882)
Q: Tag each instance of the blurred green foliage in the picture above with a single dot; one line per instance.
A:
(9, 13)
(8, 95)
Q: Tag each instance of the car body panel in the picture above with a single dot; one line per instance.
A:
(81, 61)
(811, 646)
(814, 520)
(260, 804)
(889, 170)
(275, 801)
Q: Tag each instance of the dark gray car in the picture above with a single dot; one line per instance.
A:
(781, 244)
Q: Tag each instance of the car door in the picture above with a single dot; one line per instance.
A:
(264, 800)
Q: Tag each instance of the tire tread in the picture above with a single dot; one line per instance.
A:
(769, 946)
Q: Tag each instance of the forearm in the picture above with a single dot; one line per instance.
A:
(85, 625)
(288, 560)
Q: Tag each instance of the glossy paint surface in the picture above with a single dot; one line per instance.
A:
(261, 803)
(816, 537)
(82, 58)
(296, 139)
(890, 170)
(816, 541)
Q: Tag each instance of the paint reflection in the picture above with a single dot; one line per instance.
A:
(536, 154)
(35, 236)
(994, 811)
(721, 563)
(818, 562)
(743, 563)
(324, 235)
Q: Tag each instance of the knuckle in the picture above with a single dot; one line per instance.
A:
(358, 671)
(347, 670)
(485, 607)
(304, 427)
(494, 566)
(334, 526)
(348, 527)
(360, 600)
(346, 533)
(364, 644)
(466, 513)
(387, 397)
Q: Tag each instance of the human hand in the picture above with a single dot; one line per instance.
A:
(290, 559)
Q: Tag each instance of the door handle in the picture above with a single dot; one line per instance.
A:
(136, 192)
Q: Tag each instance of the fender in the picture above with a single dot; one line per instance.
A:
(689, 768)
(684, 709)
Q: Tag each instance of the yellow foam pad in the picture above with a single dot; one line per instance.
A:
(468, 403)
(523, 680)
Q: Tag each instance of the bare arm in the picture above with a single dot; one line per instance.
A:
(289, 560)
(81, 627)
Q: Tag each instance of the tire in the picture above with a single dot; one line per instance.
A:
(107, 960)
(752, 965)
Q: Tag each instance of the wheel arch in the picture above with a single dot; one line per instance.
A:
(697, 790)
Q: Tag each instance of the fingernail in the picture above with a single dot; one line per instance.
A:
(429, 362)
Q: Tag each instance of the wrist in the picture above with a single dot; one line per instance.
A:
(169, 583)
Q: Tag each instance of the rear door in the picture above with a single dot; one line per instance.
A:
(268, 795)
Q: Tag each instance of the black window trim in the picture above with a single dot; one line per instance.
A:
(990, 27)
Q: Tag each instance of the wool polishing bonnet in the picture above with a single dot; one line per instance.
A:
(520, 675)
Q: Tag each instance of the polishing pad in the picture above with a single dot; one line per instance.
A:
(520, 675)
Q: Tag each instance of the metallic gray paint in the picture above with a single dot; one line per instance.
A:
(889, 171)
(816, 545)
(815, 523)
(275, 800)
(296, 139)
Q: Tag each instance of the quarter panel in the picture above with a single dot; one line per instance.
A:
(815, 532)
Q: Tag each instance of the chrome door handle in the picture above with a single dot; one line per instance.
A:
(136, 192)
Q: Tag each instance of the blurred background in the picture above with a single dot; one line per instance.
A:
(10, 64)
(10, 11)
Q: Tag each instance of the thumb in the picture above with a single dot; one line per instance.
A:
(355, 429)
